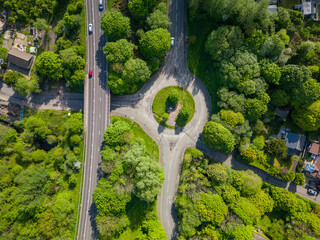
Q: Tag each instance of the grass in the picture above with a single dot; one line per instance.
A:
(198, 63)
(151, 145)
(159, 104)
(288, 3)
(137, 212)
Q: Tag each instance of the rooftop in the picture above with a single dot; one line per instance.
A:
(315, 148)
(295, 141)
(20, 54)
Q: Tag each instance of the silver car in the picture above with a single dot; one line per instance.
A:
(312, 192)
(90, 28)
(172, 41)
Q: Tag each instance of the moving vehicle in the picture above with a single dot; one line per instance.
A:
(312, 192)
(172, 41)
(312, 182)
(90, 73)
(100, 5)
(90, 28)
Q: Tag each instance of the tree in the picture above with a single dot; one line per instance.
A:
(284, 199)
(211, 208)
(279, 98)
(11, 77)
(49, 64)
(277, 147)
(152, 229)
(173, 97)
(141, 8)
(228, 193)
(223, 43)
(246, 211)
(217, 173)
(308, 118)
(272, 48)
(239, 70)
(75, 123)
(183, 116)
(255, 108)
(118, 52)
(148, 179)
(71, 60)
(216, 136)
(77, 80)
(231, 117)
(306, 94)
(154, 43)
(3, 53)
(249, 155)
(159, 18)
(110, 226)
(41, 24)
(107, 200)
(231, 100)
(271, 72)
(114, 135)
(299, 180)
(243, 233)
(136, 71)
(115, 25)
(262, 201)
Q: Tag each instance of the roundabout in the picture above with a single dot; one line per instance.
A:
(173, 107)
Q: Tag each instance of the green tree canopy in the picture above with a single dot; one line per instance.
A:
(217, 173)
(118, 52)
(271, 72)
(136, 71)
(223, 43)
(308, 118)
(231, 117)
(159, 18)
(49, 64)
(255, 108)
(279, 98)
(211, 208)
(141, 8)
(277, 147)
(154, 43)
(216, 136)
(115, 25)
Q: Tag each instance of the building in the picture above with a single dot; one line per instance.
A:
(306, 8)
(294, 142)
(282, 113)
(20, 58)
(314, 150)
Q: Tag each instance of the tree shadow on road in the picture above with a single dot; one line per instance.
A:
(101, 61)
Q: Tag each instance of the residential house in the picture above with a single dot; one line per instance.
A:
(3, 21)
(20, 58)
(313, 167)
(294, 142)
(282, 113)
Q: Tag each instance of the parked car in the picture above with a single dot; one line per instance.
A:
(90, 28)
(312, 192)
(172, 41)
(90, 72)
(312, 182)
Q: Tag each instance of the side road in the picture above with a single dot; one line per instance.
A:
(44, 100)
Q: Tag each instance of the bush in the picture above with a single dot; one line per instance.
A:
(183, 116)
(174, 97)
(249, 155)
(299, 180)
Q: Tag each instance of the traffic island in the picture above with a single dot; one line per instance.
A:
(173, 107)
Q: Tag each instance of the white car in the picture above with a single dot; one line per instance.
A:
(172, 41)
(312, 192)
(90, 28)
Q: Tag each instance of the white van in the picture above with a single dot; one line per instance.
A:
(100, 5)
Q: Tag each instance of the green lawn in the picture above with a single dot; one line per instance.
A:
(151, 145)
(159, 103)
(199, 61)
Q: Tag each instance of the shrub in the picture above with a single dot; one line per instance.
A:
(299, 180)
(183, 116)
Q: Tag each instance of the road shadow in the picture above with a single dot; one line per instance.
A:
(101, 61)
(93, 223)
(292, 187)
(175, 219)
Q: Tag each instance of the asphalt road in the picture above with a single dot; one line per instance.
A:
(96, 115)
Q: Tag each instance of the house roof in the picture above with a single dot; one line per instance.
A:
(295, 141)
(281, 113)
(272, 8)
(19, 58)
(306, 8)
(315, 148)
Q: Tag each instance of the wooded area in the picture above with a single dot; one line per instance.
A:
(215, 202)
(40, 165)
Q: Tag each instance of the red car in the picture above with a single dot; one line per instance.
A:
(90, 72)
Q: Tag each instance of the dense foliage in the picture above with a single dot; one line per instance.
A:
(40, 161)
(215, 202)
(132, 176)
(132, 60)
(261, 64)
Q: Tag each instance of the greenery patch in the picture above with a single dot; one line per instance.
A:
(169, 99)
